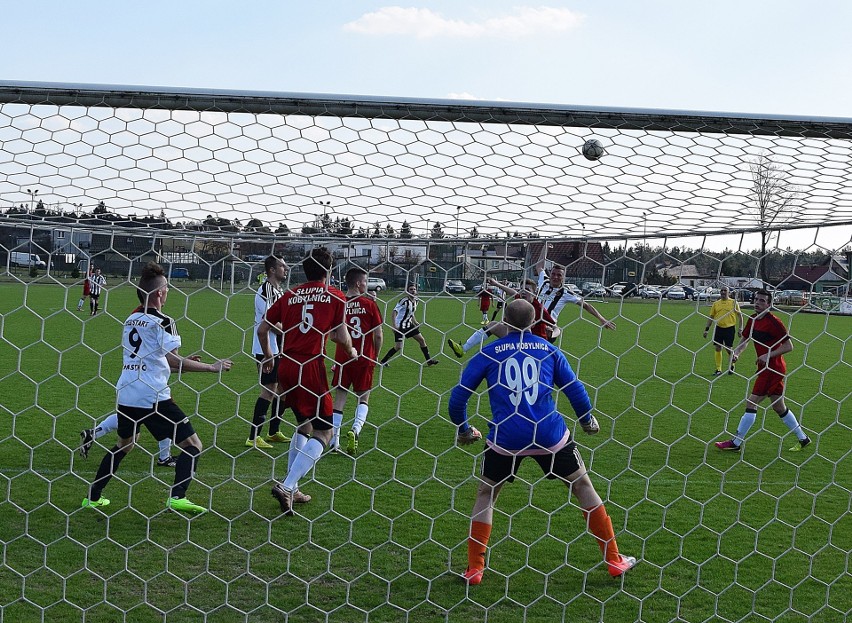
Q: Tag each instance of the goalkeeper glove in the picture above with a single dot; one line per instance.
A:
(591, 426)
(471, 435)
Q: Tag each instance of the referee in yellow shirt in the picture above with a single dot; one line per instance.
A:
(729, 320)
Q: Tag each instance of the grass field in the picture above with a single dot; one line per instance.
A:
(762, 536)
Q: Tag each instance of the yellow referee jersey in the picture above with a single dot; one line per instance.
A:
(725, 313)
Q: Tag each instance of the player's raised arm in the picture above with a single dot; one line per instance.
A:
(606, 324)
(539, 266)
(193, 363)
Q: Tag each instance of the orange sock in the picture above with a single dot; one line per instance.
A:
(477, 544)
(601, 526)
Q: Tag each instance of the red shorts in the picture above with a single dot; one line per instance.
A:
(304, 386)
(768, 383)
(484, 305)
(356, 374)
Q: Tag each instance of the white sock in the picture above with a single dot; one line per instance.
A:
(296, 444)
(80, 304)
(474, 340)
(165, 449)
(790, 422)
(360, 417)
(303, 463)
(746, 422)
(337, 421)
(107, 426)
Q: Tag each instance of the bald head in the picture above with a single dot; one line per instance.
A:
(519, 315)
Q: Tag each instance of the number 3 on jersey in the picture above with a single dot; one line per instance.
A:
(522, 379)
(355, 330)
(307, 318)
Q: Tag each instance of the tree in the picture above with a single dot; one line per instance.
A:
(283, 230)
(405, 230)
(437, 232)
(474, 232)
(344, 227)
(254, 224)
(102, 209)
(389, 231)
(775, 200)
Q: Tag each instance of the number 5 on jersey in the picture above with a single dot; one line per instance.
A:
(307, 318)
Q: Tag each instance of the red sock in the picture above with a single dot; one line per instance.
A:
(601, 526)
(477, 544)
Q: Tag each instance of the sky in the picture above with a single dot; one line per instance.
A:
(785, 57)
(781, 57)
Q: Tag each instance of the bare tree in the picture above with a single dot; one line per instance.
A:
(775, 198)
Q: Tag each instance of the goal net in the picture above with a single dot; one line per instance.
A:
(446, 195)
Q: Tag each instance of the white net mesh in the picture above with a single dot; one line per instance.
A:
(448, 195)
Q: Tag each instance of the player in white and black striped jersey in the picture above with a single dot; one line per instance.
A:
(405, 325)
(554, 296)
(268, 292)
(97, 282)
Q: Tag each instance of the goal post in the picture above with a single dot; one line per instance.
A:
(444, 194)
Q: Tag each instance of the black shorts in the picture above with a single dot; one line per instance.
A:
(164, 421)
(268, 378)
(499, 304)
(503, 468)
(725, 336)
(398, 336)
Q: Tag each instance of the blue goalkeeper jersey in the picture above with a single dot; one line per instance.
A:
(522, 371)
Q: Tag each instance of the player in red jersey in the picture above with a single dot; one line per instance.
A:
(309, 314)
(544, 326)
(484, 303)
(771, 342)
(365, 326)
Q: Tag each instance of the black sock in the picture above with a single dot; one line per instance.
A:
(425, 351)
(186, 463)
(260, 409)
(388, 355)
(494, 315)
(277, 411)
(108, 467)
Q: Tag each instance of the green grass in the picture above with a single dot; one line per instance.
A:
(764, 536)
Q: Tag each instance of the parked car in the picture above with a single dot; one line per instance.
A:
(478, 288)
(689, 290)
(742, 295)
(180, 273)
(593, 288)
(795, 298)
(676, 293)
(30, 260)
(376, 284)
(707, 294)
(572, 289)
(455, 286)
(624, 289)
(650, 292)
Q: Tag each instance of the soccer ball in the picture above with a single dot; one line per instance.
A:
(593, 149)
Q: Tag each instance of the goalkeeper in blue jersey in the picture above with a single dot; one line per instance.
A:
(522, 371)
